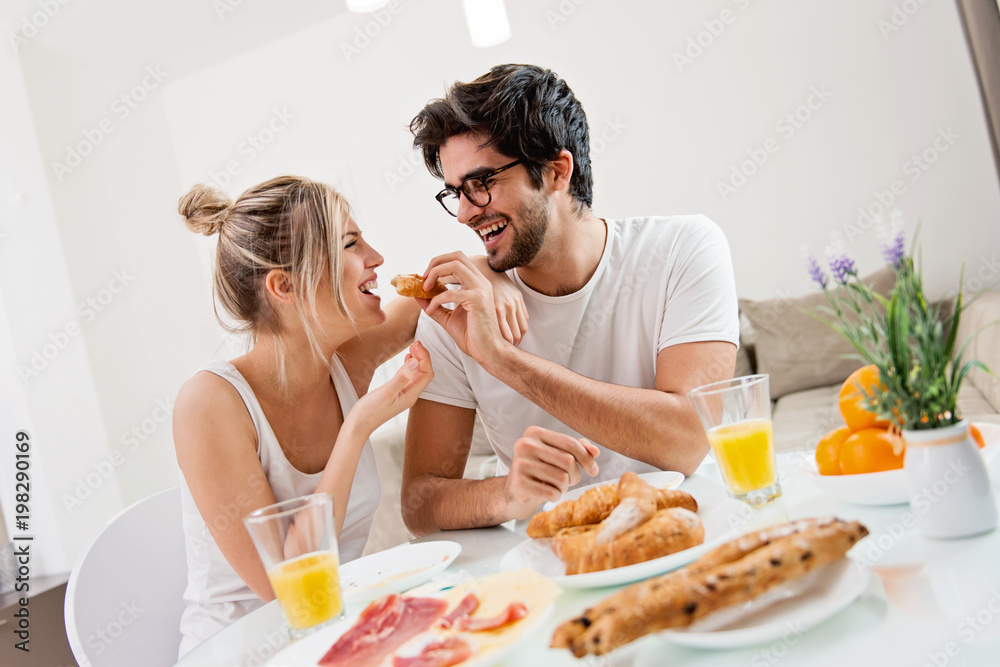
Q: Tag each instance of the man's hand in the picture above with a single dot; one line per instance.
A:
(545, 464)
(473, 322)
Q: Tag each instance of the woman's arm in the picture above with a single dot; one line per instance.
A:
(373, 347)
(371, 411)
(216, 445)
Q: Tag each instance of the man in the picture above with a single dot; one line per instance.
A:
(626, 315)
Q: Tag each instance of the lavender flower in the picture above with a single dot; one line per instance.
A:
(841, 267)
(815, 272)
(892, 252)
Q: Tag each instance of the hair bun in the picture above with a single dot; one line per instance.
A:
(204, 209)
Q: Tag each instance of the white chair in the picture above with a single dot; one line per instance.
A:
(124, 596)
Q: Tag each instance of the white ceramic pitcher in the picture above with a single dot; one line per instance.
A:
(949, 487)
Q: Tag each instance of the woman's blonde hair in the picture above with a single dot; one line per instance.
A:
(289, 223)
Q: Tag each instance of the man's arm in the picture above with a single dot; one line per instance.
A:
(656, 426)
(436, 497)
(434, 494)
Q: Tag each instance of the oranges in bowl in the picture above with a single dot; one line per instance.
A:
(863, 445)
(853, 409)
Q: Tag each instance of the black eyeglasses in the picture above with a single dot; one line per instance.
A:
(474, 188)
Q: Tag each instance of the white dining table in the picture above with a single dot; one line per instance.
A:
(928, 602)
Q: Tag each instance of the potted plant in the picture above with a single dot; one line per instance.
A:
(913, 345)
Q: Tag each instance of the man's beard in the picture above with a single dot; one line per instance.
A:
(526, 240)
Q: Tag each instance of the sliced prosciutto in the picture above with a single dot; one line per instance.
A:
(468, 605)
(383, 626)
(515, 611)
(444, 653)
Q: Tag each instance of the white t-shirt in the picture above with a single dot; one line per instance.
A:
(660, 282)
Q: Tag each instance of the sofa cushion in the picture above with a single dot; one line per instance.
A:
(797, 350)
(986, 346)
(746, 361)
(972, 405)
(801, 418)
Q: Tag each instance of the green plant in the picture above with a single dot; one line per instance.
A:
(909, 340)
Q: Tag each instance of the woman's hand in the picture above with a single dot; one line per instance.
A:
(512, 317)
(402, 390)
(511, 313)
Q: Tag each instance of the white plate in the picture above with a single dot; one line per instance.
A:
(888, 487)
(395, 570)
(721, 516)
(307, 651)
(798, 604)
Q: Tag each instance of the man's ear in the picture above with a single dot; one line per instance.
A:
(279, 285)
(561, 168)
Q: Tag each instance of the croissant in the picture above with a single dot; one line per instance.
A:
(637, 504)
(596, 505)
(668, 531)
(592, 507)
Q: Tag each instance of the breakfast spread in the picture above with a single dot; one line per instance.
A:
(619, 524)
(411, 284)
(732, 573)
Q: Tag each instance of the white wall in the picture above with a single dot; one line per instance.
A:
(671, 135)
(677, 131)
(46, 375)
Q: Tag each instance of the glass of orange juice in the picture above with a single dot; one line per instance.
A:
(736, 415)
(297, 544)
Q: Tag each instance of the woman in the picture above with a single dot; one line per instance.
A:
(293, 415)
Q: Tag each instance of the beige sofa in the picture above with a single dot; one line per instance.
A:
(804, 359)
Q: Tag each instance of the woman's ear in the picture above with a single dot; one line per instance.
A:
(279, 285)
(561, 168)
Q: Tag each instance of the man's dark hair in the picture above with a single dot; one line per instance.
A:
(525, 111)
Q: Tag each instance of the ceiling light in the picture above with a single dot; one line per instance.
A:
(362, 6)
(487, 19)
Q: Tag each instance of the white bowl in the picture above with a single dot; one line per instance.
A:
(870, 488)
(890, 486)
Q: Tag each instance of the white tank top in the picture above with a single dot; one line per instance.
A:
(215, 595)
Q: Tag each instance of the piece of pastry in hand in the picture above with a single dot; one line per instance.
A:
(410, 284)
